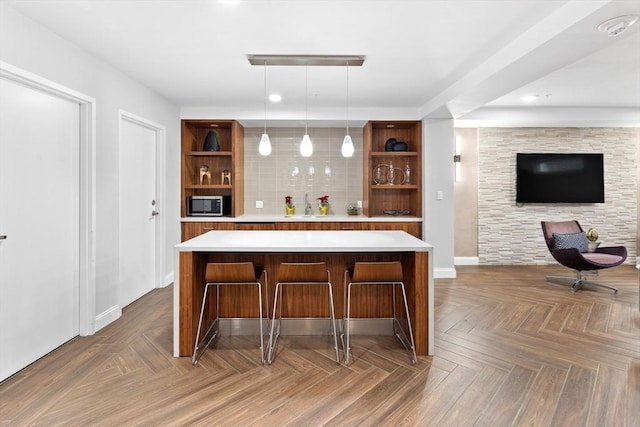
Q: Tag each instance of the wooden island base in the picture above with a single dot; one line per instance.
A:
(242, 302)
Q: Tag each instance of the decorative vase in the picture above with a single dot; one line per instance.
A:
(290, 210)
(324, 209)
(211, 141)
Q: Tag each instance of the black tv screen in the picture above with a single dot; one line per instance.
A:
(559, 178)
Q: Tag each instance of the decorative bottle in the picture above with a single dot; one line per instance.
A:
(407, 174)
(392, 174)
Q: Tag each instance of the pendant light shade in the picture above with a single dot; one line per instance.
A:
(347, 147)
(264, 148)
(306, 147)
(347, 143)
(265, 145)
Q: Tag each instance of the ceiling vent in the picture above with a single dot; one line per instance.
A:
(616, 26)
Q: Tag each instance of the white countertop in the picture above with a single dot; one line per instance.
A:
(302, 218)
(304, 241)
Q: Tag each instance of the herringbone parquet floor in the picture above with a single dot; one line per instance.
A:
(511, 349)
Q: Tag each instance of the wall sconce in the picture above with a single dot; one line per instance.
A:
(456, 160)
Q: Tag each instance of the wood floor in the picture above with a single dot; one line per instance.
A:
(511, 349)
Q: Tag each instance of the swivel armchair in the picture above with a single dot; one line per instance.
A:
(568, 245)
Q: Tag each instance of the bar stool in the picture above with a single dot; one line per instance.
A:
(223, 274)
(315, 273)
(378, 273)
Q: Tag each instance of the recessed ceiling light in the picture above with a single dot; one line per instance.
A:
(616, 26)
(529, 98)
(275, 97)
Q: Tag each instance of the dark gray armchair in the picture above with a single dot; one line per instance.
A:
(568, 245)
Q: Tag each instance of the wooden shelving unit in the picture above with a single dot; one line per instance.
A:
(381, 196)
(230, 157)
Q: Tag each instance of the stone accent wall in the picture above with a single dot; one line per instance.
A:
(508, 234)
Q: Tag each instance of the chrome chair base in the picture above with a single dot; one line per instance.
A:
(576, 284)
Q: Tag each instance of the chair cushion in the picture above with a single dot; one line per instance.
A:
(603, 259)
(571, 240)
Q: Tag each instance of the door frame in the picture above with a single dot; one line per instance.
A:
(160, 225)
(87, 188)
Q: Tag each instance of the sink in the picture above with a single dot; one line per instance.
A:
(300, 216)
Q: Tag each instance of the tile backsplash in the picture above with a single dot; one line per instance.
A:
(286, 173)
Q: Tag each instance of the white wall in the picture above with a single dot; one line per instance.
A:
(438, 213)
(28, 45)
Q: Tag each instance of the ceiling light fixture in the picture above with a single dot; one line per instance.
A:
(274, 97)
(314, 60)
(616, 26)
(529, 98)
(306, 147)
(347, 143)
(264, 148)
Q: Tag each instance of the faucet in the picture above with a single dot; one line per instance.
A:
(307, 205)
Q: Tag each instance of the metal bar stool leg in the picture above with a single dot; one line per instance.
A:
(196, 347)
(414, 358)
(274, 334)
(347, 351)
(333, 322)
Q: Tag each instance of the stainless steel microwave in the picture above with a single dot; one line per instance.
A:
(209, 206)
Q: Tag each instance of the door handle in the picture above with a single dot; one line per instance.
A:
(154, 213)
(3, 237)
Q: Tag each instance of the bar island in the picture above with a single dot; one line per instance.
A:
(338, 249)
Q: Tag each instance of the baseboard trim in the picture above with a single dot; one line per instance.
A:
(444, 273)
(466, 260)
(108, 316)
(168, 279)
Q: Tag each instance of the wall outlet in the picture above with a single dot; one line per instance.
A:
(439, 195)
(359, 204)
(259, 204)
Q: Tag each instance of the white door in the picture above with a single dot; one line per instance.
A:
(137, 210)
(39, 224)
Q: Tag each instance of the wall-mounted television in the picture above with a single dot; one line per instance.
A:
(559, 178)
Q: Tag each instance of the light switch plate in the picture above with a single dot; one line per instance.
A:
(439, 195)
(259, 204)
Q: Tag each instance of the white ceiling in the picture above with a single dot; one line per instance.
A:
(472, 58)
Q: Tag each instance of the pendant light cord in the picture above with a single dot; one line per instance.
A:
(347, 97)
(306, 98)
(265, 96)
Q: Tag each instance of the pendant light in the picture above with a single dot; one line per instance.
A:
(347, 143)
(306, 148)
(264, 148)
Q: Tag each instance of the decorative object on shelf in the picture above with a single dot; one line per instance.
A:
(384, 174)
(400, 146)
(205, 172)
(352, 209)
(289, 207)
(380, 174)
(391, 142)
(226, 176)
(323, 203)
(592, 237)
(211, 141)
(407, 174)
(397, 212)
